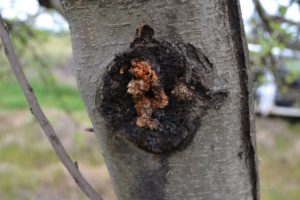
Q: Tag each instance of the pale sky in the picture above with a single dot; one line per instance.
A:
(21, 9)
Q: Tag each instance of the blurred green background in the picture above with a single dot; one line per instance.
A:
(29, 168)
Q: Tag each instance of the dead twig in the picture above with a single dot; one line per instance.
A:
(42, 119)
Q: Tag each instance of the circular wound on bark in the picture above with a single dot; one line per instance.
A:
(173, 125)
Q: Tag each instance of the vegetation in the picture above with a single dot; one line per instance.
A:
(62, 97)
(279, 161)
(29, 168)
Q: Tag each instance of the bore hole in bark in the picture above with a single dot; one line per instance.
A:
(154, 93)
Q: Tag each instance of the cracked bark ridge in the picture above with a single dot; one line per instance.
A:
(182, 88)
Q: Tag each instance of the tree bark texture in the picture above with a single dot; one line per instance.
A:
(220, 160)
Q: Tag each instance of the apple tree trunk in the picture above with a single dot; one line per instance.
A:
(167, 87)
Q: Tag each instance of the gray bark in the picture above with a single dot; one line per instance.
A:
(220, 162)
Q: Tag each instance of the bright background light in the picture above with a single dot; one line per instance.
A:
(24, 9)
(50, 20)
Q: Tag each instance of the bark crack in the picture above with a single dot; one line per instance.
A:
(237, 34)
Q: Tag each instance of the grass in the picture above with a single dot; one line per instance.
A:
(279, 159)
(29, 168)
(41, 58)
(27, 156)
(19, 158)
(28, 164)
(61, 97)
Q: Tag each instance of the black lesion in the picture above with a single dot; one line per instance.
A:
(172, 63)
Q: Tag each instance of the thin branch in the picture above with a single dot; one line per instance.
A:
(266, 20)
(42, 119)
(280, 19)
(263, 15)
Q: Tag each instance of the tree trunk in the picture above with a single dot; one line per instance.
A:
(211, 154)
